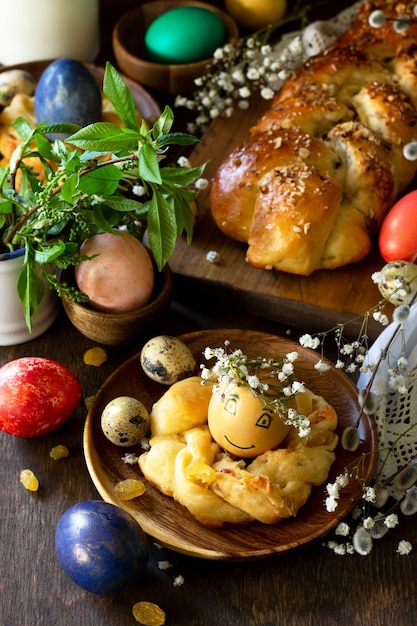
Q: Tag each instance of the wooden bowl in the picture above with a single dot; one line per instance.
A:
(114, 329)
(129, 48)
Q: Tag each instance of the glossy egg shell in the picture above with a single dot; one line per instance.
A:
(101, 547)
(184, 35)
(241, 425)
(398, 233)
(37, 395)
(67, 92)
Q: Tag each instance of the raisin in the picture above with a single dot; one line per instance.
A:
(148, 614)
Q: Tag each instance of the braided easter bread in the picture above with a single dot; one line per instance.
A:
(326, 162)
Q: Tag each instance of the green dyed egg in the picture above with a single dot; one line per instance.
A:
(184, 35)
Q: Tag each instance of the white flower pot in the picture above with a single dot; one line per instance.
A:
(13, 329)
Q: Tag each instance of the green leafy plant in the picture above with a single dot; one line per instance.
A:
(88, 187)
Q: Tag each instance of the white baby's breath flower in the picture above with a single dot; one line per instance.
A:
(368, 523)
(308, 341)
(331, 504)
(297, 387)
(333, 490)
(182, 161)
(267, 93)
(244, 92)
(201, 184)
(404, 547)
(321, 366)
(212, 256)
(369, 494)
(391, 520)
(252, 73)
(138, 190)
(342, 529)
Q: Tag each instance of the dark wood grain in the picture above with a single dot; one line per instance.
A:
(170, 523)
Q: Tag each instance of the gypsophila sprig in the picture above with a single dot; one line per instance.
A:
(390, 494)
(103, 176)
(239, 70)
(272, 381)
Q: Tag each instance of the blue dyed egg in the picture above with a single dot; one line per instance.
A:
(67, 92)
(101, 547)
(184, 35)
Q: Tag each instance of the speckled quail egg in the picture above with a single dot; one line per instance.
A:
(13, 82)
(125, 421)
(167, 359)
(398, 282)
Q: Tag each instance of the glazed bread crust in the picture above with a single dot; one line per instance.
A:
(322, 167)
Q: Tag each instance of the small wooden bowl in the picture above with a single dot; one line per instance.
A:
(129, 48)
(114, 329)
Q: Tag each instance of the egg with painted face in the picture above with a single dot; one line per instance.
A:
(241, 425)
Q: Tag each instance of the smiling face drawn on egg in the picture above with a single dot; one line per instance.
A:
(241, 425)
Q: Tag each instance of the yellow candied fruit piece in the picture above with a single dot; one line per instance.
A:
(59, 452)
(95, 356)
(129, 489)
(29, 480)
(201, 473)
(148, 614)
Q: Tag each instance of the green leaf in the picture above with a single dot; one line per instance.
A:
(121, 98)
(23, 128)
(162, 229)
(63, 128)
(6, 205)
(105, 137)
(44, 148)
(69, 188)
(30, 286)
(49, 253)
(182, 176)
(184, 218)
(122, 204)
(179, 139)
(149, 165)
(104, 218)
(102, 181)
(163, 124)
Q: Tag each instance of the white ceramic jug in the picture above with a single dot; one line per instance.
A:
(13, 329)
(34, 30)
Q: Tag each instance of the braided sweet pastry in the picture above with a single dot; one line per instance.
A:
(325, 163)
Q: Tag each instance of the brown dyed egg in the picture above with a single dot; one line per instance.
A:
(241, 425)
(120, 278)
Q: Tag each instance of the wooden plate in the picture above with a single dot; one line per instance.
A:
(145, 104)
(172, 525)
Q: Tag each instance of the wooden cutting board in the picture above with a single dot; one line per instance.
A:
(314, 303)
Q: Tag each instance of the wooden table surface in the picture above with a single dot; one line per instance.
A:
(308, 587)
